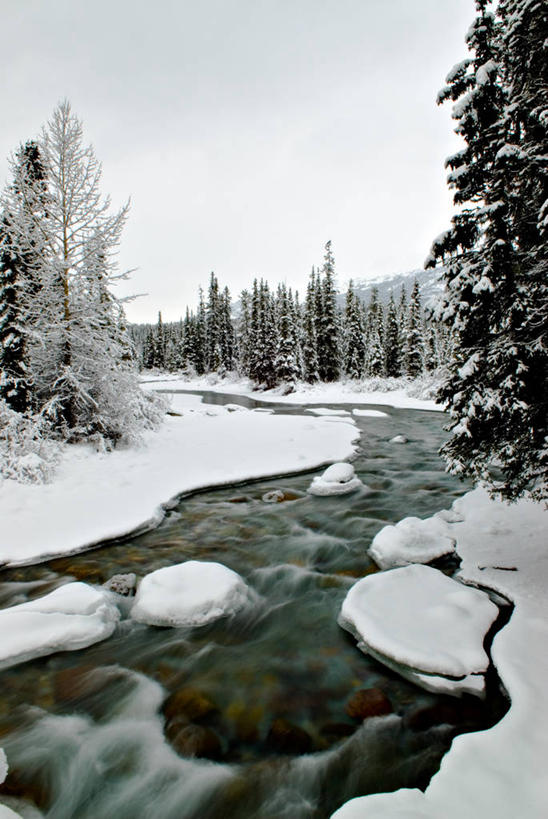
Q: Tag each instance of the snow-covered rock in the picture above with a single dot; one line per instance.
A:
(123, 584)
(423, 624)
(412, 540)
(193, 593)
(399, 439)
(71, 617)
(363, 413)
(338, 479)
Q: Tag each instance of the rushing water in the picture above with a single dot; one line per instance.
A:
(261, 696)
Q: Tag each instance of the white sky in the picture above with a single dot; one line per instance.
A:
(247, 132)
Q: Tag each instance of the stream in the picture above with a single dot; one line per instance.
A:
(262, 696)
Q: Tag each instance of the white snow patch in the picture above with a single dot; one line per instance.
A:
(71, 617)
(412, 540)
(399, 439)
(338, 479)
(500, 772)
(96, 496)
(193, 593)
(327, 411)
(364, 413)
(417, 617)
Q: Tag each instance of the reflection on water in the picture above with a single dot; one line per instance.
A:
(247, 717)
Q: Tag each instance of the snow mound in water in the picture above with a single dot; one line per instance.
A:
(193, 593)
(338, 479)
(422, 624)
(71, 617)
(412, 540)
(399, 439)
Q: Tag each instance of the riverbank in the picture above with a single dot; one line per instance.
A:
(500, 772)
(96, 496)
(403, 393)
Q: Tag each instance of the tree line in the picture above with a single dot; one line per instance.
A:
(275, 339)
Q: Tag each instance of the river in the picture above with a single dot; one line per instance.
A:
(262, 696)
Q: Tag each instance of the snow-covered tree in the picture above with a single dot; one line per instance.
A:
(354, 336)
(392, 341)
(496, 269)
(310, 338)
(413, 342)
(328, 324)
(374, 351)
(21, 245)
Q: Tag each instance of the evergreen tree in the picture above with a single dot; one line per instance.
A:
(227, 335)
(374, 354)
(495, 298)
(159, 345)
(20, 257)
(286, 365)
(392, 342)
(213, 312)
(310, 340)
(200, 337)
(413, 347)
(328, 325)
(354, 346)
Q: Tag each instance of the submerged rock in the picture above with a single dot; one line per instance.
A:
(189, 702)
(197, 741)
(286, 738)
(368, 702)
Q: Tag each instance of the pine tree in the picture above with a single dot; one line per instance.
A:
(374, 352)
(286, 365)
(213, 312)
(495, 299)
(20, 257)
(392, 342)
(328, 325)
(200, 337)
(160, 344)
(354, 336)
(310, 340)
(413, 347)
(226, 333)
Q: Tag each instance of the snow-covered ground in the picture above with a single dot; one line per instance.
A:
(388, 392)
(499, 773)
(95, 496)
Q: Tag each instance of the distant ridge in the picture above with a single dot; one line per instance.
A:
(429, 281)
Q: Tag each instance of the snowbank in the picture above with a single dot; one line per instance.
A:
(422, 623)
(193, 593)
(201, 446)
(338, 479)
(363, 413)
(389, 392)
(412, 540)
(71, 617)
(500, 772)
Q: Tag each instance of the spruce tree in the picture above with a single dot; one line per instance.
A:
(374, 352)
(286, 366)
(310, 339)
(328, 331)
(495, 298)
(354, 336)
(413, 347)
(392, 341)
(21, 246)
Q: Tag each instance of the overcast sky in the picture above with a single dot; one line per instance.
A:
(247, 132)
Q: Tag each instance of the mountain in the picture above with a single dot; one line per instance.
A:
(429, 281)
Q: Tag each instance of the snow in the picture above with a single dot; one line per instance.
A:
(369, 413)
(412, 540)
(338, 479)
(500, 772)
(417, 617)
(399, 439)
(193, 593)
(326, 411)
(387, 392)
(193, 450)
(71, 617)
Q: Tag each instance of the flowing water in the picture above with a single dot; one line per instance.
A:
(260, 698)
